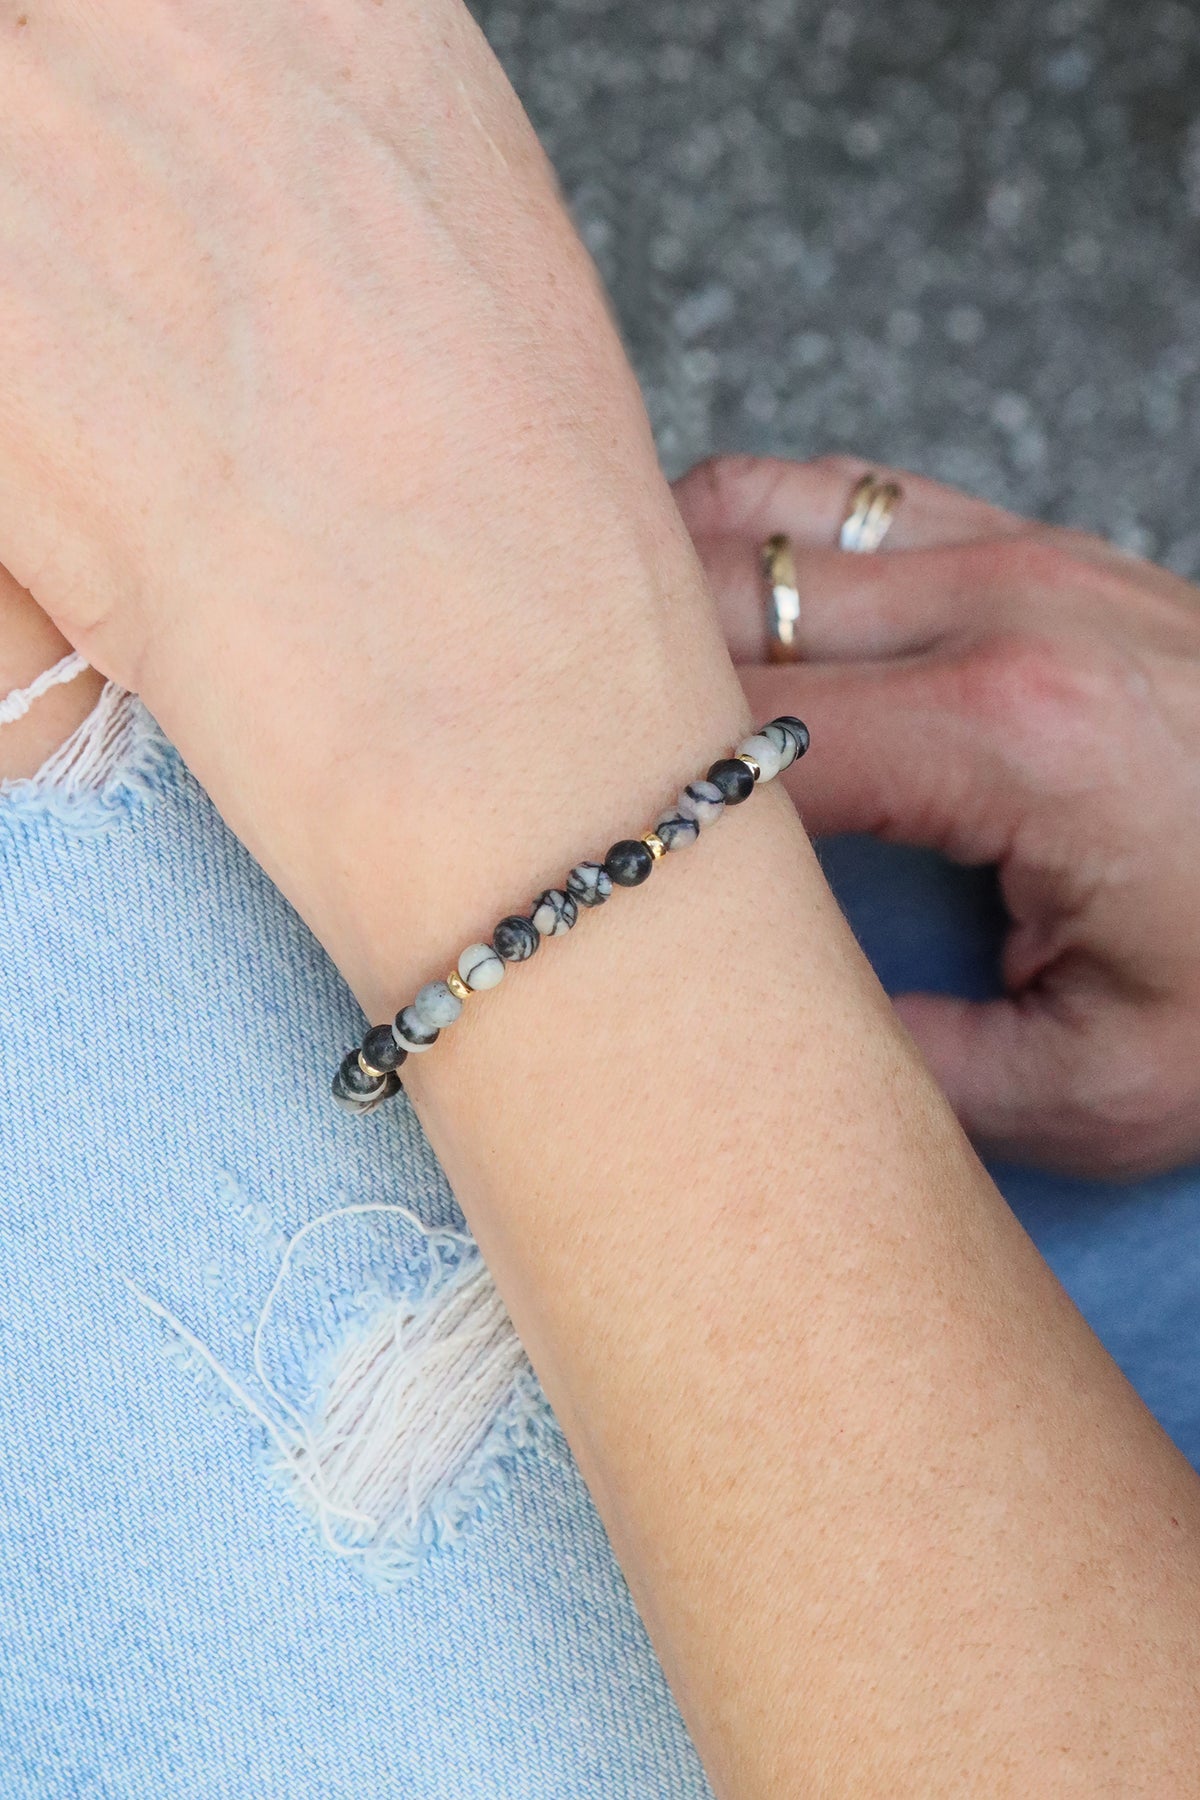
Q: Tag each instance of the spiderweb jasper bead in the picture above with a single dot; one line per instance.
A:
(702, 801)
(629, 862)
(411, 1033)
(589, 884)
(554, 913)
(380, 1049)
(798, 729)
(390, 1085)
(357, 1092)
(765, 753)
(676, 833)
(515, 939)
(734, 780)
(785, 741)
(480, 967)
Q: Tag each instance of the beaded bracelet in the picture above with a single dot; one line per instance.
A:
(368, 1076)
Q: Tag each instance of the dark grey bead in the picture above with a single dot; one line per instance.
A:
(589, 884)
(411, 1032)
(554, 913)
(677, 832)
(380, 1049)
(629, 862)
(352, 1087)
(734, 780)
(357, 1109)
(798, 729)
(515, 938)
(388, 1086)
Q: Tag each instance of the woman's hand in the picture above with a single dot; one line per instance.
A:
(315, 431)
(1013, 694)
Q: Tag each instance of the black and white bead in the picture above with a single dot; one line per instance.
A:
(702, 801)
(734, 778)
(480, 967)
(412, 1033)
(515, 939)
(629, 862)
(589, 884)
(784, 739)
(797, 728)
(357, 1092)
(676, 833)
(554, 913)
(765, 752)
(368, 1076)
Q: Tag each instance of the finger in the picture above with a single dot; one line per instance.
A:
(1035, 1080)
(752, 497)
(898, 751)
(854, 606)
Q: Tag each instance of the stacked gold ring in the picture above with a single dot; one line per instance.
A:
(869, 515)
(868, 519)
(783, 599)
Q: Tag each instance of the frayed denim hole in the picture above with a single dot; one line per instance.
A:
(114, 760)
(391, 1386)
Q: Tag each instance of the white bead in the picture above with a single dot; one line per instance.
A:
(766, 754)
(480, 967)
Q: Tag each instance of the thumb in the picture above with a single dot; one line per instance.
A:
(899, 749)
(1041, 1077)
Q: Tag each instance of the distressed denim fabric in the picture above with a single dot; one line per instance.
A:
(207, 1590)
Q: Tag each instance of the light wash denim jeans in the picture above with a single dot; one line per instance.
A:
(285, 1515)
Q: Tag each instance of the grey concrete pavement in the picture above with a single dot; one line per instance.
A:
(964, 238)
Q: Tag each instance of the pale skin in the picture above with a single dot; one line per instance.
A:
(336, 460)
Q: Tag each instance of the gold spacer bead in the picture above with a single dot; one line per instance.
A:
(753, 767)
(370, 1069)
(654, 845)
(458, 986)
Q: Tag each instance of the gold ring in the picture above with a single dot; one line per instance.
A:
(783, 599)
(869, 514)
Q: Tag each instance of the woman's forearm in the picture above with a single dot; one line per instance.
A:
(316, 433)
(896, 1522)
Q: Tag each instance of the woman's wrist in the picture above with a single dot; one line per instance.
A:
(497, 791)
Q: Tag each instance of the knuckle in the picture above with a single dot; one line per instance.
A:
(718, 493)
(734, 492)
(1007, 669)
(1038, 693)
